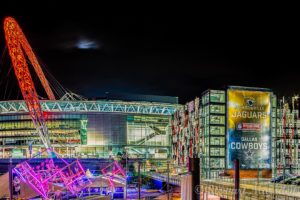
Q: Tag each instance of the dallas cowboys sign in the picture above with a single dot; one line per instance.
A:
(248, 128)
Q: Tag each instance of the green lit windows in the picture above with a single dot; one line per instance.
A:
(217, 162)
(217, 130)
(273, 124)
(217, 141)
(205, 99)
(213, 125)
(217, 109)
(205, 110)
(206, 151)
(217, 96)
(206, 131)
(206, 121)
(206, 141)
(274, 101)
(216, 119)
(214, 151)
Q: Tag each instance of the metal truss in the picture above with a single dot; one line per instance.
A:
(11, 107)
(17, 45)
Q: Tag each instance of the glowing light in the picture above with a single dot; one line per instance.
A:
(265, 138)
(16, 43)
(87, 44)
(111, 173)
(40, 178)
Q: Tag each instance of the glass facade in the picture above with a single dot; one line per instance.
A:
(87, 135)
(147, 136)
(213, 133)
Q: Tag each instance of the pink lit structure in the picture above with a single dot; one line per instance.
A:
(112, 172)
(48, 177)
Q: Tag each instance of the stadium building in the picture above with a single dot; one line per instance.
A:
(91, 129)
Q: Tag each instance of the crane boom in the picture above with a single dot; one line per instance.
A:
(17, 44)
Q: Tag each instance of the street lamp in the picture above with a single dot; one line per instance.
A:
(30, 149)
(139, 179)
(126, 169)
(168, 178)
(10, 178)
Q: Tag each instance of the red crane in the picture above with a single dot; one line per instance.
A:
(17, 46)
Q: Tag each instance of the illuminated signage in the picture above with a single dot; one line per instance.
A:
(248, 128)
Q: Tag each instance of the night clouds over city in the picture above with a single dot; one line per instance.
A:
(91, 52)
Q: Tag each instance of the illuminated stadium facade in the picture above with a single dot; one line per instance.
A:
(89, 129)
(71, 125)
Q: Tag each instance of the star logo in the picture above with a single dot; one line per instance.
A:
(249, 155)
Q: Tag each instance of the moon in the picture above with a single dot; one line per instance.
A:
(87, 44)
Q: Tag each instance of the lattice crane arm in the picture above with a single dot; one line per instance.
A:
(18, 45)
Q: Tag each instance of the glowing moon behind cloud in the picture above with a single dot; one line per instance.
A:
(87, 44)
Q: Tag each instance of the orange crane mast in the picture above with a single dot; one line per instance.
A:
(18, 45)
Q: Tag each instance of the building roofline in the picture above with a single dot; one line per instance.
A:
(249, 88)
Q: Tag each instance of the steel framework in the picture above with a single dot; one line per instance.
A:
(17, 43)
(47, 177)
(11, 107)
(114, 172)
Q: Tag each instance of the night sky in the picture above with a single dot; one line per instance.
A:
(91, 50)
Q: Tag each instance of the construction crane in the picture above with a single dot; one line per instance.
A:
(18, 45)
(39, 181)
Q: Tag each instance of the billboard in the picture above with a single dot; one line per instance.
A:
(249, 128)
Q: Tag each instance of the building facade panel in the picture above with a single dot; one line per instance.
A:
(80, 130)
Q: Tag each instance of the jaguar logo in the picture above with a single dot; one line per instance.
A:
(250, 102)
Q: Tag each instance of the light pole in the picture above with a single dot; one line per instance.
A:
(139, 179)
(274, 189)
(126, 168)
(168, 179)
(237, 179)
(275, 165)
(30, 149)
(10, 179)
